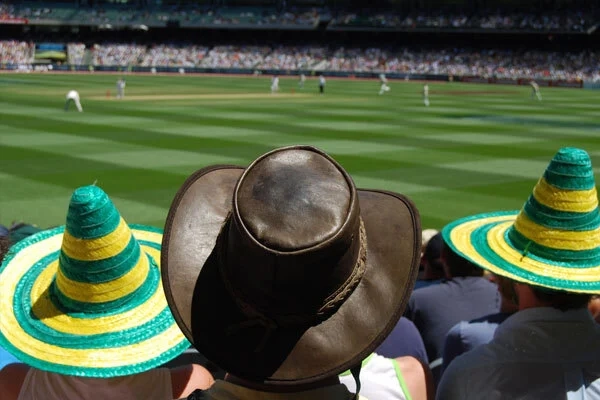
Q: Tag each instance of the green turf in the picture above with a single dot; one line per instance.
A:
(477, 148)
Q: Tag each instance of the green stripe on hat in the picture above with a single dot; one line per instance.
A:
(551, 218)
(570, 169)
(102, 270)
(91, 213)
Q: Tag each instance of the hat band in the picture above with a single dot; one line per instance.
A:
(329, 306)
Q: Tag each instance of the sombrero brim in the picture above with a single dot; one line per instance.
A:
(484, 240)
(136, 337)
(205, 311)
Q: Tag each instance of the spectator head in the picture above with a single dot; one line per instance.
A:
(551, 247)
(594, 307)
(283, 273)
(455, 265)
(426, 237)
(90, 295)
(432, 258)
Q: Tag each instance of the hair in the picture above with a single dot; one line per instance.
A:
(458, 265)
(433, 254)
(560, 299)
(4, 246)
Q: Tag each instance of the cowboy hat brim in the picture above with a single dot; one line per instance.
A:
(135, 337)
(484, 240)
(209, 317)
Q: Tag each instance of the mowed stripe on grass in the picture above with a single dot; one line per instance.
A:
(477, 147)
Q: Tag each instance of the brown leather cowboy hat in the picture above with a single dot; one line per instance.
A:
(283, 272)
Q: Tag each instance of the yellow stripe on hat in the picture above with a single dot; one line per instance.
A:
(99, 248)
(149, 236)
(91, 326)
(460, 236)
(565, 200)
(495, 238)
(555, 238)
(106, 291)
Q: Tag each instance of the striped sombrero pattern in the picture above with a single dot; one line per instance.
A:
(552, 242)
(86, 299)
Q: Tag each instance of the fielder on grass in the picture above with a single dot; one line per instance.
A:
(120, 88)
(384, 84)
(321, 84)
(301, 81)
(73, 97)
(535, 90)
(275, 84)
(426, 95)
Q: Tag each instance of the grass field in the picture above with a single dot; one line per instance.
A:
(477, 148)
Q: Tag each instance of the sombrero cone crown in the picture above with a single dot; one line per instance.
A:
(86, 299)
(560, 220)
(101, 265)
(553, 242)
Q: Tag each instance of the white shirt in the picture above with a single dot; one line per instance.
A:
(380, 379)
(425, 90)
(537, 353)
(153, 384)
(322, 80)
(73, 95)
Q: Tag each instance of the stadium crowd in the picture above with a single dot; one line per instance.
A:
(569, 21)
(16, 52)
(314, 303)
(510, 64)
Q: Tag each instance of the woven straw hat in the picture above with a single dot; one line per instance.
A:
(283, 272)
(553, 242)
(86, 299)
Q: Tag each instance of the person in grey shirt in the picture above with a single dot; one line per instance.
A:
(550, 250)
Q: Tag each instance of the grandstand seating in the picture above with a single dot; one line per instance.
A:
(496, 63)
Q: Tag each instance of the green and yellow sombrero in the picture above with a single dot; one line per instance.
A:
(553, 242)
(86, 299)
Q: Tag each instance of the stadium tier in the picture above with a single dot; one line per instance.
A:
(485, 40)
(496, 63)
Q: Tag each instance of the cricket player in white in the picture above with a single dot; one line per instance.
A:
(301, 81)
(535, 90)
(275, 85)
(384, 86)
(426, 95)
(120, 88)
(321, 84)
(73, 97)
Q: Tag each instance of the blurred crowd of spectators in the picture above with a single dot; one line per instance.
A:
(167, 55)
(6, 11)
(294, 58)
(16, 52)
(118, 54)
(536, 64)
(76, 53)
(572, 21)
(189, 15)
(235, 57)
